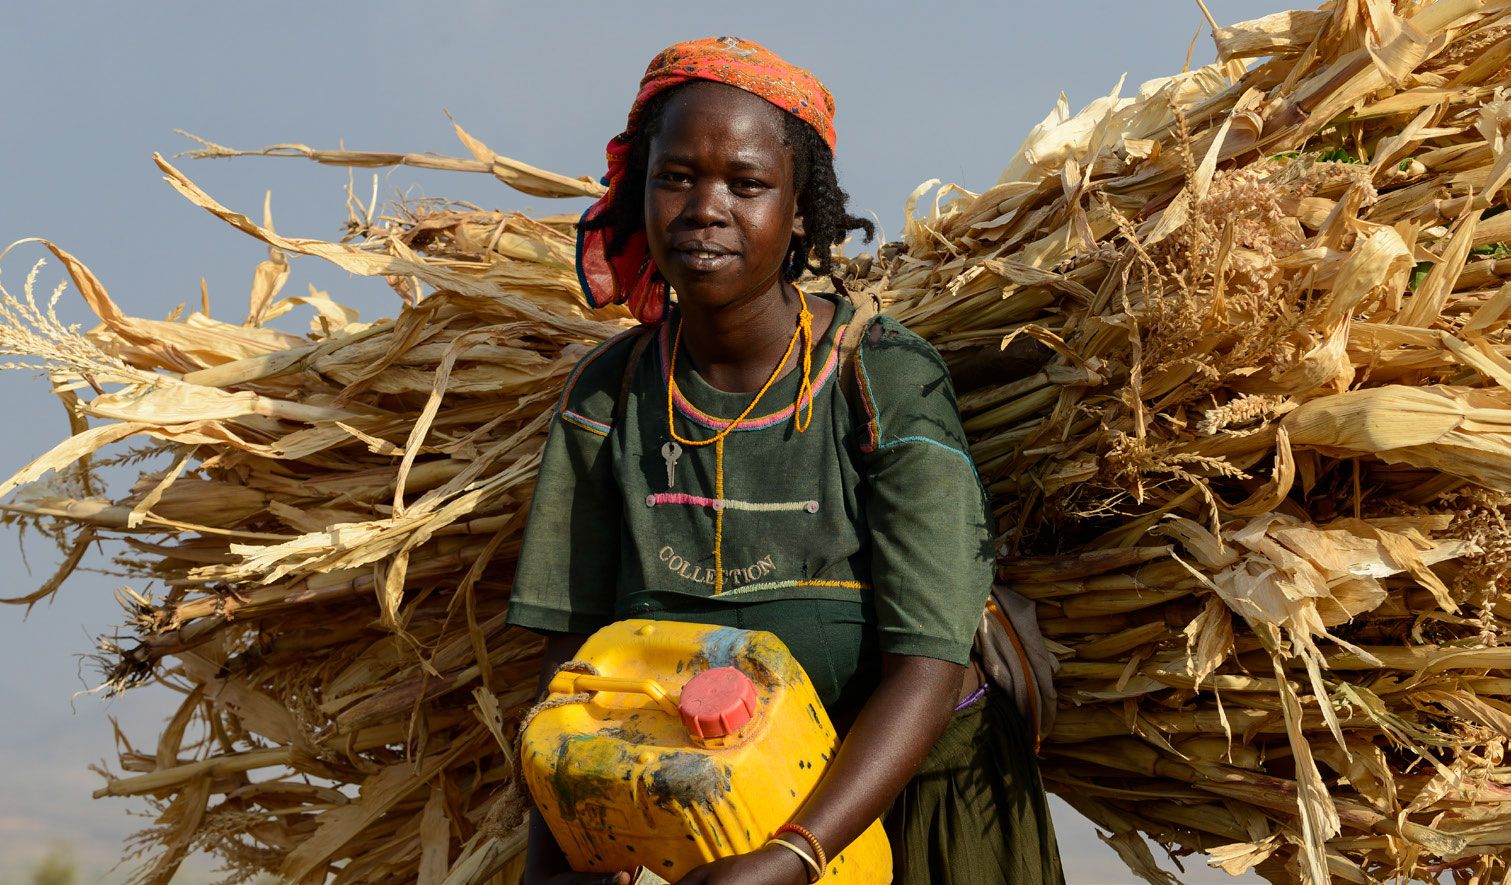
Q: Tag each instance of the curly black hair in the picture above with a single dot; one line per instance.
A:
(820, 199)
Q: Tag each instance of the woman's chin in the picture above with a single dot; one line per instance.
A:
(713, 290)
(692, 295)
(705, 290)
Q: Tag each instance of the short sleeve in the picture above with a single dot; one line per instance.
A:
(931, 538)
(569, 559)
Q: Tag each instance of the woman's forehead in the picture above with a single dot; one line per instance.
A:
(744, 129)
(710, 103)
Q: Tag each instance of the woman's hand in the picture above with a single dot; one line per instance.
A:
(768, 865)
(895, 730)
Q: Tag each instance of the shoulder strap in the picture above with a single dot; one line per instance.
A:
(867, 309)
(642, 341)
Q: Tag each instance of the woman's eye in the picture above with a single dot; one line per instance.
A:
(750, 184)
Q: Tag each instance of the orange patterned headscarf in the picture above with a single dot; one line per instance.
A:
(630, 277)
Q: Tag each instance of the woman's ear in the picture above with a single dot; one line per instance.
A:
(798, 228)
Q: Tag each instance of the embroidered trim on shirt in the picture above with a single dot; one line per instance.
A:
(933, 442)
(787, 585)
(585, 423)
(664, 498)
(714, 422)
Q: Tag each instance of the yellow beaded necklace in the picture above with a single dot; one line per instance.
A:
(803, 331)
(671, 452)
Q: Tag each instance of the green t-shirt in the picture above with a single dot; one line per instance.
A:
(866, 533)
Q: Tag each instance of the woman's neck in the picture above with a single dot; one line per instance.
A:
(735, 348)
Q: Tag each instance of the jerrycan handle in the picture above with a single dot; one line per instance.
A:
(573, 683)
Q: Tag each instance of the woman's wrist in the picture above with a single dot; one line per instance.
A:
(796, 869)
(819, 857)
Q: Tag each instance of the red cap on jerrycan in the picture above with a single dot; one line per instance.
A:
(717, 702)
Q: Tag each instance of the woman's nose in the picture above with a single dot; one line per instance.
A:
(707, 204)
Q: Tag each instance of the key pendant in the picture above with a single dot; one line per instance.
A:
(671, 452)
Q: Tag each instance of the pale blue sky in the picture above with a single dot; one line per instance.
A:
(937, 90)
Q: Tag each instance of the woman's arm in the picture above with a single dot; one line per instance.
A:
(895, 730)
(545, 864)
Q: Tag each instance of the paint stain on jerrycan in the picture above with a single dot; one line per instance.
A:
(692, 743)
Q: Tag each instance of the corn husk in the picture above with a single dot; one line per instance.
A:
(1232, 355)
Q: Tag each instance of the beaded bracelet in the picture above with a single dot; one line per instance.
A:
(815, 872)
(823, 858)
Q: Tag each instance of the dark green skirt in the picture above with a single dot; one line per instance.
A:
(975, 813)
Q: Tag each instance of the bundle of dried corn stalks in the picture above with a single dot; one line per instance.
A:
(1233, 354)
(334, 547)
(1261, 455)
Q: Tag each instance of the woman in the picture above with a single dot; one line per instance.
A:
(718, 467)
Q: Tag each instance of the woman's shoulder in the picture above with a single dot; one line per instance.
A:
(905, 386)
(591, 395)
(896, 363)
(891, 348)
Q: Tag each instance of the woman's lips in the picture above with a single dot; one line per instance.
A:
(702, 261)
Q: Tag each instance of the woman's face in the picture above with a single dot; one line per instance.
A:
(720, 206)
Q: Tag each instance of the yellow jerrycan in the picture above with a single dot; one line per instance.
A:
(668, 745)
